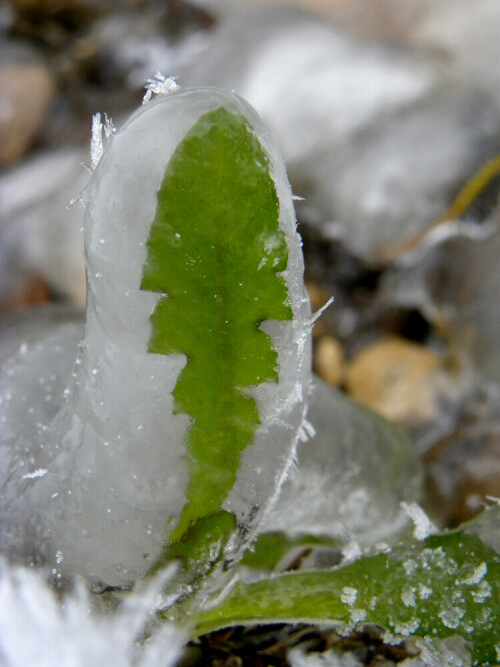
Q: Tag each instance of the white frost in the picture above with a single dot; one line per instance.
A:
(96, 147)
(39, 630)
(479, 573)
(159, 85)
(96, 142)
(423, 526)
(40, 472)
(349, 595)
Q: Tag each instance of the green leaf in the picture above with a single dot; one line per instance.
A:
(214, 252)
(268, 549)
(446, 585)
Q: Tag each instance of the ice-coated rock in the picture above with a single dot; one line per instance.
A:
(38, 233)
(351, 476)
(93, 493)
(467, 37)
(313, 84)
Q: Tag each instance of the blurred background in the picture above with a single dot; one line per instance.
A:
(388, 116)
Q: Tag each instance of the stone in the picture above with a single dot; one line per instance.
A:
(396, 378)
(27, 92)
(328, 360)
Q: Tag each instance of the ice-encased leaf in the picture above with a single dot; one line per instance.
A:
(445, 585)
(214, 251)
(115, 452)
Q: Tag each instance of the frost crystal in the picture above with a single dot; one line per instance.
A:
(483, 592)
(352, 550)
(96, 141)
(408, 597)
(451, 617)
(423, 526)
(159, 85)
(96, 147)
(406, 629)
(424, 591)
(39, 630)
(358, 615)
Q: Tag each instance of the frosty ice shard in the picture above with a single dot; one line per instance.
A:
(191, 383)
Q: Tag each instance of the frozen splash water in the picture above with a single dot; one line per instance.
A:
(113, 455)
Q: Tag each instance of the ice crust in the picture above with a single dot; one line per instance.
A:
(114, 452)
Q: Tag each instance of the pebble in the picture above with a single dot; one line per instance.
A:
(396, 378)
(27, 92)
(329, 360)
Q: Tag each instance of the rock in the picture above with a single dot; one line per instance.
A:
(398, 379)
(28, 290)
(134, 45)
(328, 360)
(453, 277)
(27, 91)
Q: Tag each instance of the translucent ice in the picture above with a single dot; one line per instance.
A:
(115, 452)
(350, 478)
